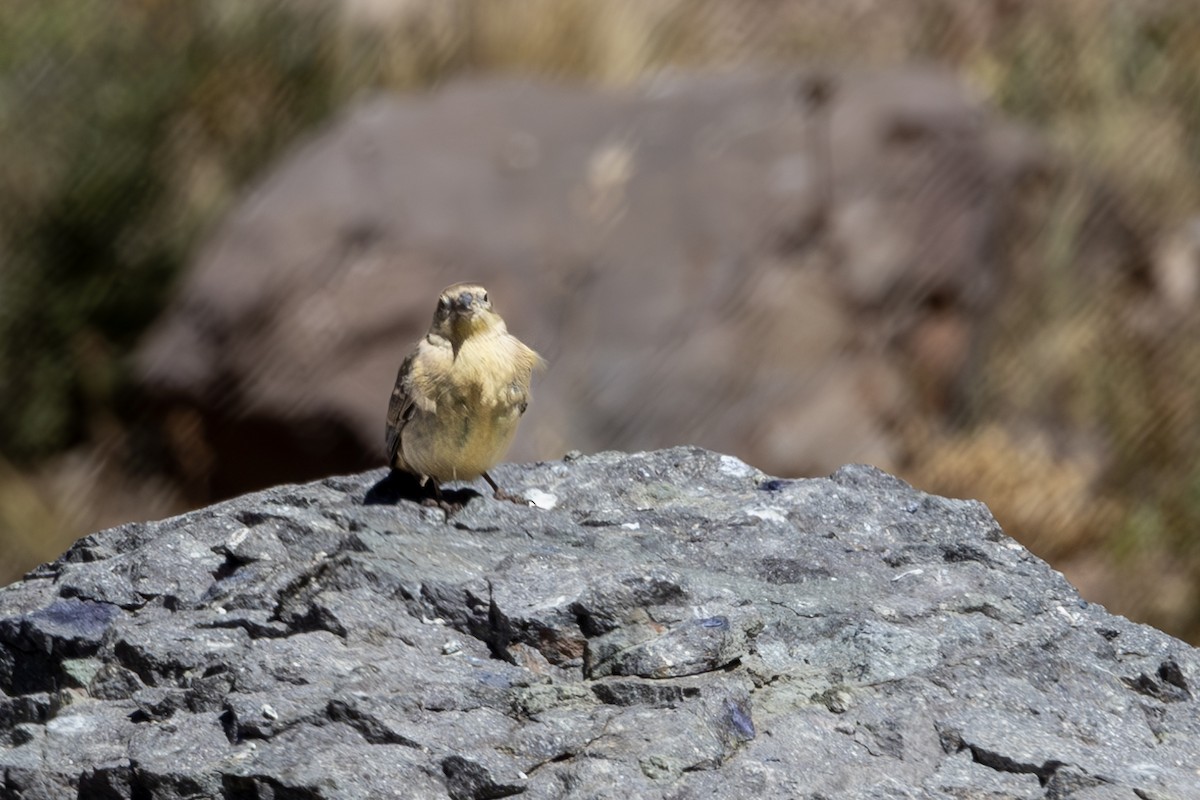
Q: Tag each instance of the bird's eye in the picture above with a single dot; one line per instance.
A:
(485, 298)
(443, 304)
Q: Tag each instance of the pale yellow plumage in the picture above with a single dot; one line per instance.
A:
(460, 394)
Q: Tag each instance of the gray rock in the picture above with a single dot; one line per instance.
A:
(676, 625)
(810, 252)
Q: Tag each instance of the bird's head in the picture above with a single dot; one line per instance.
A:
(464, 310)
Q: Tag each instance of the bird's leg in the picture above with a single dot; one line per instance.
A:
(437, 501)
(500, 494)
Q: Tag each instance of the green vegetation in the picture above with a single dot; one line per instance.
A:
(127, 126)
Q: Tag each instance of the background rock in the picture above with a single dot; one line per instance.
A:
(778, 266)
(673, 623)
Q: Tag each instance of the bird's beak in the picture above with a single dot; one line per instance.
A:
(463, 302)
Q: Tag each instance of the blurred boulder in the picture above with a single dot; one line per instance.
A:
(778, 266)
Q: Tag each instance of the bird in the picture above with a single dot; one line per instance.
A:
(459, 394)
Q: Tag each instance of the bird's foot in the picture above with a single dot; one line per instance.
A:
(450, 507)
(500, 494)
(439, 500)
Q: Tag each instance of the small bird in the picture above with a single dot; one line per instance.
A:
(460, 394)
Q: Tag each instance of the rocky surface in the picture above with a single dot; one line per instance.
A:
(671, 624)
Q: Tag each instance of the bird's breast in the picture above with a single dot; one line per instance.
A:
(478, 405)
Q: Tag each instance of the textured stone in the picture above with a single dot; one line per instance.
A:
(674, 625)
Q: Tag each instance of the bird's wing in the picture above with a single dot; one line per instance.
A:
(400, 408)
(407, 397)
(527, 361)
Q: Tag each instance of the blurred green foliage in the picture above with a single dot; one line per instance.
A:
(127, 124)
(1116, 86)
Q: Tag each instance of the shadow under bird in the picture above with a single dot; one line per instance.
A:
(460, 394)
